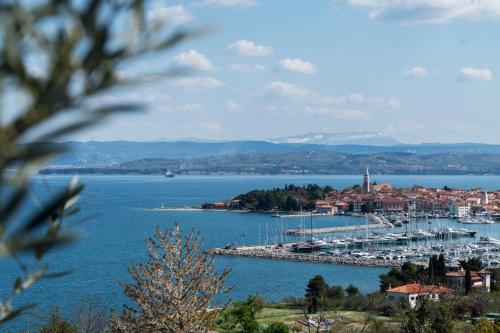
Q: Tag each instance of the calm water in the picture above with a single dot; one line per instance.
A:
(116, 237)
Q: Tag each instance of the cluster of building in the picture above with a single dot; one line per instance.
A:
(388, 199)
(416, 293)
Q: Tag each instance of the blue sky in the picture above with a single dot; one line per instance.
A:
(421, 71)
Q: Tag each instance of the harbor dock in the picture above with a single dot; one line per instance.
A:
(378, 222)
(332, 230)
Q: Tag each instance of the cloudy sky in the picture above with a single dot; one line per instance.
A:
(419, 70)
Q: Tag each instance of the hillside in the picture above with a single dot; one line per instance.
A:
(314, 162)
(89, 154)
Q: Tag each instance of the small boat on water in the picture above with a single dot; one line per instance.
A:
(230, 246)
(169, 174)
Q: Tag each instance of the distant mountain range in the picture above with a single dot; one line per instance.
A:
(96, 153)
(304, 162)
(347, 138)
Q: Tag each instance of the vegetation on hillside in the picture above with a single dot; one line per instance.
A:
(289, 198)
(310, 162)
(434, 273)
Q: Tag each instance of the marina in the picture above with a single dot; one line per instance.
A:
(363, 245)
(389, 250)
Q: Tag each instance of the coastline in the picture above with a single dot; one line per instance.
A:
(282, 214)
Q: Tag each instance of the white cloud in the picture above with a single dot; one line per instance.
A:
(197, 82)
(283, 89)
(211, 126)
(427, 11)
(381, 102)
(140, 96)
(393, 103)
(334, 100)
(337, 113)
(416, 72)
(246, 68)
(357, 98)
(188, 108)
(227, 3)
(193, 60)
(297, 66)
(248, 48)
(475, 74)
(192, 107)
(233, 106)
(169, 15)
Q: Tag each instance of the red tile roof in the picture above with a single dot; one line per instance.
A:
(417, 288)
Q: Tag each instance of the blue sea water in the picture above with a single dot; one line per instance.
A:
(110, 241)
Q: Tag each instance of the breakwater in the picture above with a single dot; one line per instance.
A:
(263, 253)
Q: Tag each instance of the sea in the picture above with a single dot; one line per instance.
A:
(122, 216)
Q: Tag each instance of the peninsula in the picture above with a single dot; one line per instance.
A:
(468, 205)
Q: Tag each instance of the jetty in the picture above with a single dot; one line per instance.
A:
(377, 223)
(332, 230)
(262, 252)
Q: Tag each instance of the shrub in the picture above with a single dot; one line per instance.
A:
(277, 328)
(57, 324)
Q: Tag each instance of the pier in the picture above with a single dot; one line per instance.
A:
(377, 223)
(332, 230)
(262, 252)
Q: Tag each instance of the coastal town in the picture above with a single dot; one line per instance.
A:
(431, 219)
(469, 205)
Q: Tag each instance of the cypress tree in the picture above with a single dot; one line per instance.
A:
(468, 282)
(432, 269)
(442, 267)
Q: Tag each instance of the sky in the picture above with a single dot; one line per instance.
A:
(418, 70)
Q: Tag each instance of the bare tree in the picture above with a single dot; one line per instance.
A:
(174, 290)
(91, 317)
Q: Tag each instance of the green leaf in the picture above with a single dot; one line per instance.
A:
(55, 205)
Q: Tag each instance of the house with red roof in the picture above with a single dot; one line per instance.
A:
(416, 293)
(481, 280)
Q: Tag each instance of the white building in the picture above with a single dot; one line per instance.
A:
(416, 293)
(484, 199)
(366, 182)
(480, 281)
(457, 210)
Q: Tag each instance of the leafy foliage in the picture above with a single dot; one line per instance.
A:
(436, 271)
(316, 294)
(81, 54)
(242, 315)
(290, 198)
(430, 317)
(352, 290)
(483, 325)
(408, 273)
(57, 324)
(471, 264)
(277, 328)
(174, 289)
